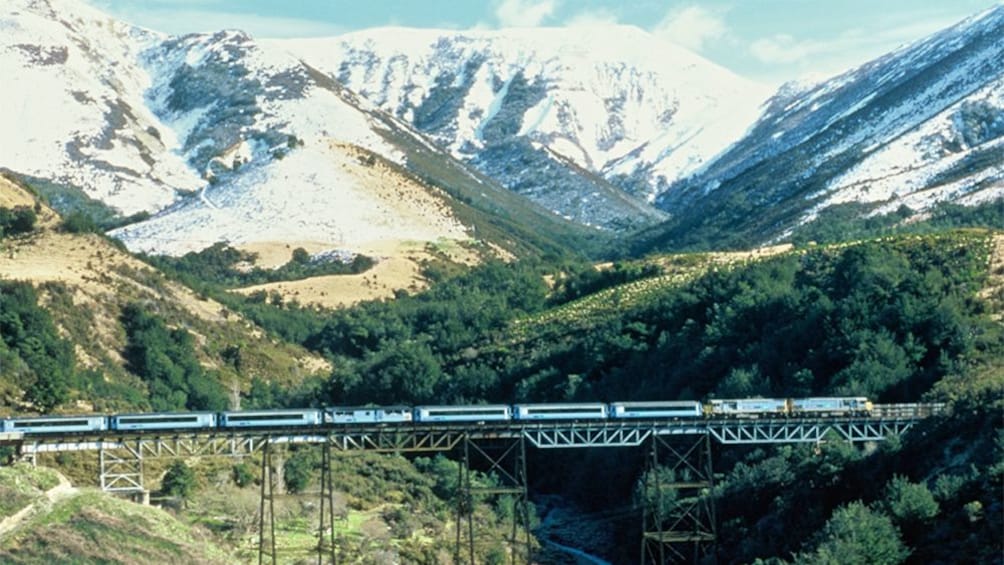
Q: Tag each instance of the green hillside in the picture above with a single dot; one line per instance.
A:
(901, 318)
(68, 525)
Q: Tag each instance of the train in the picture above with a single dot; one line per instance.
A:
(477, 414)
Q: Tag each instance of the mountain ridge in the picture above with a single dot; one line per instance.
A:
(890, 133)
(610, 107)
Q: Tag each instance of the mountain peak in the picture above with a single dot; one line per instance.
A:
(614, 101)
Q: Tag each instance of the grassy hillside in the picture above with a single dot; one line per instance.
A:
(51, 522)
(388, 509)
(83, 283)
(901, 318)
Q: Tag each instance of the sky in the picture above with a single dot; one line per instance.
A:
(769, 41)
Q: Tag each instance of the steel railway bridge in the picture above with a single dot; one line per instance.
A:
(685, 532)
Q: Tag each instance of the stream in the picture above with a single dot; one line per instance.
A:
(562, 524)
(581, 556)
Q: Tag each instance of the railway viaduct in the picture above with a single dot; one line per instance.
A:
(683, 533)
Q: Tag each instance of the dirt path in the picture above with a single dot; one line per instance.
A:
(57, 493)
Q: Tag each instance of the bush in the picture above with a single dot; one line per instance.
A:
(298, 469)
(856, 534)
(79, 222)
(28, 334)
(910, 503)
(243, 474)
(179, 480)
(17, 220)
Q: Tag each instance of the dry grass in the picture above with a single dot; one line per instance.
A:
(100, 279)
(398, 268)
(13, 195)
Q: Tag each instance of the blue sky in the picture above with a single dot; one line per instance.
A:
(765, 40)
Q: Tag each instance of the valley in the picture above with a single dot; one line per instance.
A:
(213, 222)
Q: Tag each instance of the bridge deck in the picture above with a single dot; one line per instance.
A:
(414, 437)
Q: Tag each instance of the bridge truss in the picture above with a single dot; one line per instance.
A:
(679, 460)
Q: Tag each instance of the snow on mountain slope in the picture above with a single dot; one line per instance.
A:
(73, 110)
(291, 157)
(325, 192)
(611, 100)
(920, 125)
(228, 140)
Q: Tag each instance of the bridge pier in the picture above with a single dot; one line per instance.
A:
(266, 507)
(121, 469)
(326, 530)
(508, 462)
(678, 518)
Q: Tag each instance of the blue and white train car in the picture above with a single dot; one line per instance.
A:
(56, 424)
(164, 421)
(392, 414)
(583, 411)
(270, 418)
(831, 406)
(747, 407)
(656, 409)
(473, 413)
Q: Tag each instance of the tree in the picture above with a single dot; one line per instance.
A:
(856, 534)
(20, 219)
(408, 373)
(911, 504)
(298, 469)
(243, 474)
(179, 480)
(300, 256)
(28, 331)
(165, 359)
(80, 222)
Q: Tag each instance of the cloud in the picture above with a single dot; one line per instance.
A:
(588, 18)
(847, 49)
(692, 27)
(524, 13)
(187, 18)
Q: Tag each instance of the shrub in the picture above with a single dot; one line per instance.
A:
(17, 220)
(179, 480)
(79, 222)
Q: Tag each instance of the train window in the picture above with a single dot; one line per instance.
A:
(158, 420)
(265, 417)
(51, 423)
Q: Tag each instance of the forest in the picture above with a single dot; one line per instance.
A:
(897, 318)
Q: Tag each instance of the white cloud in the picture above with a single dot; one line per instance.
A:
(588, 18)
(524, 13)
(692, 27)
(187, 17)
(850, 48)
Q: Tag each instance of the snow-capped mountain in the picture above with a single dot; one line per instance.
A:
(287, 154)
(920, 125)
(604, 101)
(73, 109)
(226, 139)
(396, 134)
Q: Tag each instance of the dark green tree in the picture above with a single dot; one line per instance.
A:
(80, 222)
(179, 480)
(910, 504)
(857, 534)
(28, 332)
(299, 468)
(165, 359)
(243, 474)
(17, 220)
